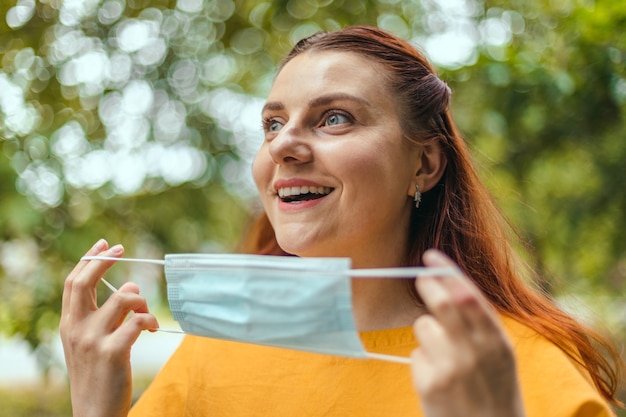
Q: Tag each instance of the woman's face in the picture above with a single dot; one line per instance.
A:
(335, 173)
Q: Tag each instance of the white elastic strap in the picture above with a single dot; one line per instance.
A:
(111, 258)
(108, 284)
(160, 329)
(404, 272)
(389, 358)
(169, 330)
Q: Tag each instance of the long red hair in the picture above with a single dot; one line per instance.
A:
(458, 216)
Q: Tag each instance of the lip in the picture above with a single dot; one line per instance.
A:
(300, 205)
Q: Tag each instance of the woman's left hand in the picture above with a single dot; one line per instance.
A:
(465, 364)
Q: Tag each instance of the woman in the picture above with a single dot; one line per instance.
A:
(361, 160)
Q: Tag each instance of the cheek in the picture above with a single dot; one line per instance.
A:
(374, 166)
(261, 168)
(383, 173)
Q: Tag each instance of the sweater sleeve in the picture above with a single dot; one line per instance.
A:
(167, 394)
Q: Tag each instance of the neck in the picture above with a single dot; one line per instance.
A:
(383, 303)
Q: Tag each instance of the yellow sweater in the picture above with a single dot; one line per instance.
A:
(207, 377)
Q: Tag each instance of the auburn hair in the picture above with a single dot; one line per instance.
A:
(458, 216)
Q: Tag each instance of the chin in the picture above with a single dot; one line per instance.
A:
(299, 247)
(303, 250)
(295, 250)
(306, 240)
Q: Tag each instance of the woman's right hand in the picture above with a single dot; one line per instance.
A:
(97, 341)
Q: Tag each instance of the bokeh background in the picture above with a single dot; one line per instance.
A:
(136, 121)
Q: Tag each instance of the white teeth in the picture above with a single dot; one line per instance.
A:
(291, 191)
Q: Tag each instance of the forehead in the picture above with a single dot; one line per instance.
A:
(315, 72)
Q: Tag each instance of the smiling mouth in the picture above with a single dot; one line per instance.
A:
(304, 193)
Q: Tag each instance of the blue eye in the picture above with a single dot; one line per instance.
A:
(274, 126)
(336, 119)
(271, 125)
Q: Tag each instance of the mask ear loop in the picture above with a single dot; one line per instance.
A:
(159, 329)
(405, 272)
(388, 358)
(113, 289)
(111, 258)
(401, 272)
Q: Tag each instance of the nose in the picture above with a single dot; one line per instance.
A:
(290, 147)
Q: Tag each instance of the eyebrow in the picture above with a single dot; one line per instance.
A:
(318, 101)
(329, 98)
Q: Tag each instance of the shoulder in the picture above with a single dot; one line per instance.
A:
(553, 383)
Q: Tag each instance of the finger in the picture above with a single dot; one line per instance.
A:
(467, 299)
(116, 347)
(438, 359)
(131, 287)
(461, 286)
(83, 285)
(129, 331)
(422, 371)
(439, 296)
(117, 307)
(434, 339)
(440, 303)
(98, 247)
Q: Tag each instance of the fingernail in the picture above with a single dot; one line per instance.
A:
(99, 245)
(116, 250)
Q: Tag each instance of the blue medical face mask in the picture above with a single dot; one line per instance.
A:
(289, 302)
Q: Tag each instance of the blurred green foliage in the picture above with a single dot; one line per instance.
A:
(135, 120)
(35, 403)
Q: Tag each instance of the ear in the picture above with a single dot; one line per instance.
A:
(429, 168)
